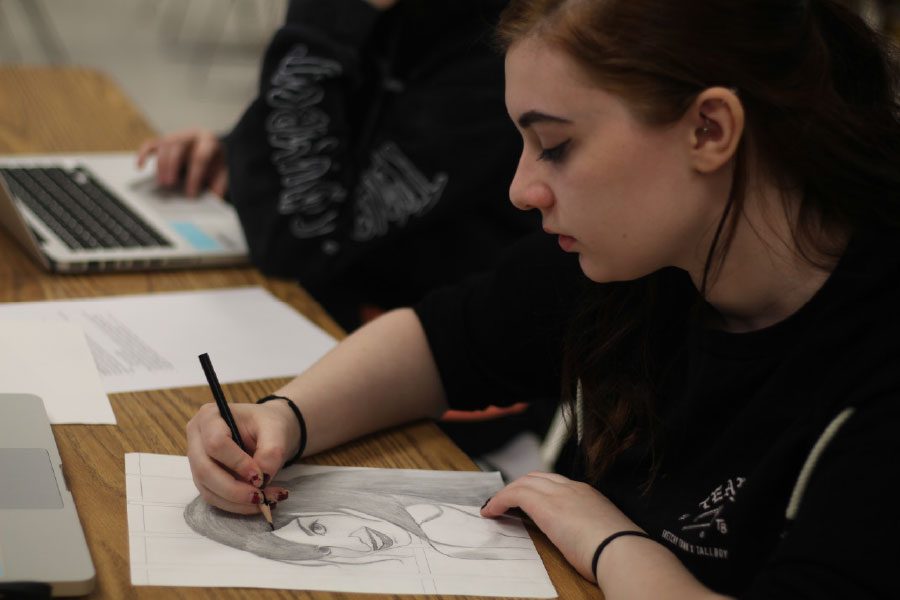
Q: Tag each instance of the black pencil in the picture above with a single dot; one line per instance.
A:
(225, 412)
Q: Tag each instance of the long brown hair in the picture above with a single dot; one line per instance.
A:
(819, 92)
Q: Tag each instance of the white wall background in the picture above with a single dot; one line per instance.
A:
(182, 62)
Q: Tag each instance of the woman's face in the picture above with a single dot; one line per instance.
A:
(621, 194)
(348, 534)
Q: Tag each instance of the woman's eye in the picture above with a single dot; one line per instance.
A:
(317, 528)
(556, 153)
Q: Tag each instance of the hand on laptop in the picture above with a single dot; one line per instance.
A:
(195, 154)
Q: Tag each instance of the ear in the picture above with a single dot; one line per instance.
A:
(715, 125)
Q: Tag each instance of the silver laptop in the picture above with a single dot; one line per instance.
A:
(96, 212)
(41, 540)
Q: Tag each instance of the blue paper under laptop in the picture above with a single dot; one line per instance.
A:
(97, 212)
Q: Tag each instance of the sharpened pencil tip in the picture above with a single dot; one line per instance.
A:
(267, 514)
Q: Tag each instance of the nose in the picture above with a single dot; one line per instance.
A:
(527, 191)
(360, 536)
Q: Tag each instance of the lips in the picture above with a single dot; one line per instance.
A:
(377, 540)
(566, 242)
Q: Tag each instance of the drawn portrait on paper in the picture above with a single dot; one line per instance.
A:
(347, 516)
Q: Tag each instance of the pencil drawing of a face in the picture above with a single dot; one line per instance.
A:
(347, 534)
(353, 516)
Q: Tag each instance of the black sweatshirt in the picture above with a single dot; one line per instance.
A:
(741, 414)
(374, 165)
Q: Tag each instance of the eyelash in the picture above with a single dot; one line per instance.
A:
(556, 154)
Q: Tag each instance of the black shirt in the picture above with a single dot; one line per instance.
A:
(741, 414)
(374, 165)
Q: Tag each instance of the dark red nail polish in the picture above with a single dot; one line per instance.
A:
(282, 495)
(254, 479)
(255, 499)
(266, 478)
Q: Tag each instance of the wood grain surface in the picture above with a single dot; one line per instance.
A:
(74, 109)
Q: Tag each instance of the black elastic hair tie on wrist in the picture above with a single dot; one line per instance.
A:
(300, 420)
(606, 543)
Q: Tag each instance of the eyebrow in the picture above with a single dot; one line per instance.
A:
(531, 117)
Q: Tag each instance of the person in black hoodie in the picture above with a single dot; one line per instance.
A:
(721, 322)
(374, 164)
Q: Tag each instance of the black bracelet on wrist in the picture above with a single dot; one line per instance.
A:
(606, 543)
(300, 420)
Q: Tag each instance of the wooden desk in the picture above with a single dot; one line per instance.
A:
(70, 110)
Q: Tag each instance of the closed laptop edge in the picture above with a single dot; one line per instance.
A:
(41, 538)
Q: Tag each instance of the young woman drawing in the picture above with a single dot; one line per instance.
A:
(726, 177)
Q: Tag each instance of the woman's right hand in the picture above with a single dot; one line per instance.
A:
(197, 152)
(226, 476)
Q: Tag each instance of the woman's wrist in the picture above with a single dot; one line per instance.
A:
(290, 414)
(624, 563)
(608, 541)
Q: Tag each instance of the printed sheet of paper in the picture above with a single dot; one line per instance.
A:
(342, 529)
(51, 359)
(150, 342)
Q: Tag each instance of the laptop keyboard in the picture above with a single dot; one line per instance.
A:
(80, 210)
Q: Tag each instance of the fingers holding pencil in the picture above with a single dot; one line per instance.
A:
(214, 437)
(227, 476)
(220, 469)
(219, 445)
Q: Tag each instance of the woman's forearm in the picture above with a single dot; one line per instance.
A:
(380, 376)
(633, 567)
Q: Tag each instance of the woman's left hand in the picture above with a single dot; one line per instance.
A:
(574, 515)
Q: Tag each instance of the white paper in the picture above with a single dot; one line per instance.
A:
(52, 360)
(150, 342)
(459, 552)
